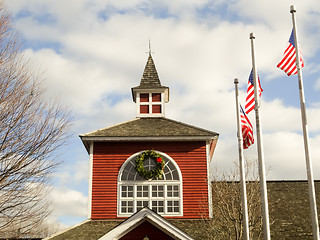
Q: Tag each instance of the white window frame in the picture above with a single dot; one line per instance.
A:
(150, 104)
(150, 183)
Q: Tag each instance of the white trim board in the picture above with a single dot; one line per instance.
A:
(143, 215)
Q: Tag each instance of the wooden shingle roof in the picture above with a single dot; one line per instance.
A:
(289, 211)
(151, 127)
(150, 80)
(95, 229)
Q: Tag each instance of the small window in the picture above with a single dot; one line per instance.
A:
(150, 104)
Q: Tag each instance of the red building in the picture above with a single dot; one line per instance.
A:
(171, 181)
(149, 179)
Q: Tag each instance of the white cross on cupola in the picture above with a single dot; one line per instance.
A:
(150, 96)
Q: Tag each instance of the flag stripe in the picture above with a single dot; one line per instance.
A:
(288, 62)
(246, 128)
(250, 103)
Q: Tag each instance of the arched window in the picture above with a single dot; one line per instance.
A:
(162, 195)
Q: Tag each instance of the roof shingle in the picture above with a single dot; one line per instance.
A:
(152, 127)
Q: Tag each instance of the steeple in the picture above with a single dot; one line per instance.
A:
(150, 76)
(150, 95)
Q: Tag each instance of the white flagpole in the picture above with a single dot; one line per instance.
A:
(262, 174)
(312, 196)
(241, 165)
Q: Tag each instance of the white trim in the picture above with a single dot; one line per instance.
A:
(209, 181)
(143, 215)
(137, 104)
(90, 180)
(165, 138)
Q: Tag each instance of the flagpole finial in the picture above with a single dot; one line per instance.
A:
(236, 81)
(252, 36)
(292, 9)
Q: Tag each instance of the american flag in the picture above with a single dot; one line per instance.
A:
(288, 62)
(246, 129)
(250, 93)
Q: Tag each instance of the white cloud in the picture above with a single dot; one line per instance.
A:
(68, 208)
(198, 53)
(69, 202)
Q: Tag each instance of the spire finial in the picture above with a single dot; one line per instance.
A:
(150, 52)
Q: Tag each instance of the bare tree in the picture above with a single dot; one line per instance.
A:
(227, 221)
(32, 128)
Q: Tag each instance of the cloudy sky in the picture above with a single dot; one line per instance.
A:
(91, 52)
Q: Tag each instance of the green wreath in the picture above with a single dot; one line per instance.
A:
(157, 171)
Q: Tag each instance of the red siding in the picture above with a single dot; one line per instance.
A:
(108, 158)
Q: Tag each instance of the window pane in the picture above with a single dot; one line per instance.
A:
(157, 191)
(169, 191)
(172, 191)
(141, 204)
(144, 97)
(144, 109)
(157, 206)
(173, 206)
(160, 191)
(175, 175)
(130, 191)
(176, 191)
(156, 97)
(156, 108)
(126, 191)
(145, 191)
(126, 206)
(130, 176)
(139, 191)
(168, 176)
(142, 191)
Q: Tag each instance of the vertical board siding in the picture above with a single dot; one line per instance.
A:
(108, 158)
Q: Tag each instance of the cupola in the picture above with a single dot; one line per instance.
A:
(150, 96)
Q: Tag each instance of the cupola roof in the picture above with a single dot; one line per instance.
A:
(150, 80)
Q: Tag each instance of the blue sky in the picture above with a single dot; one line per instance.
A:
(91, 52)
